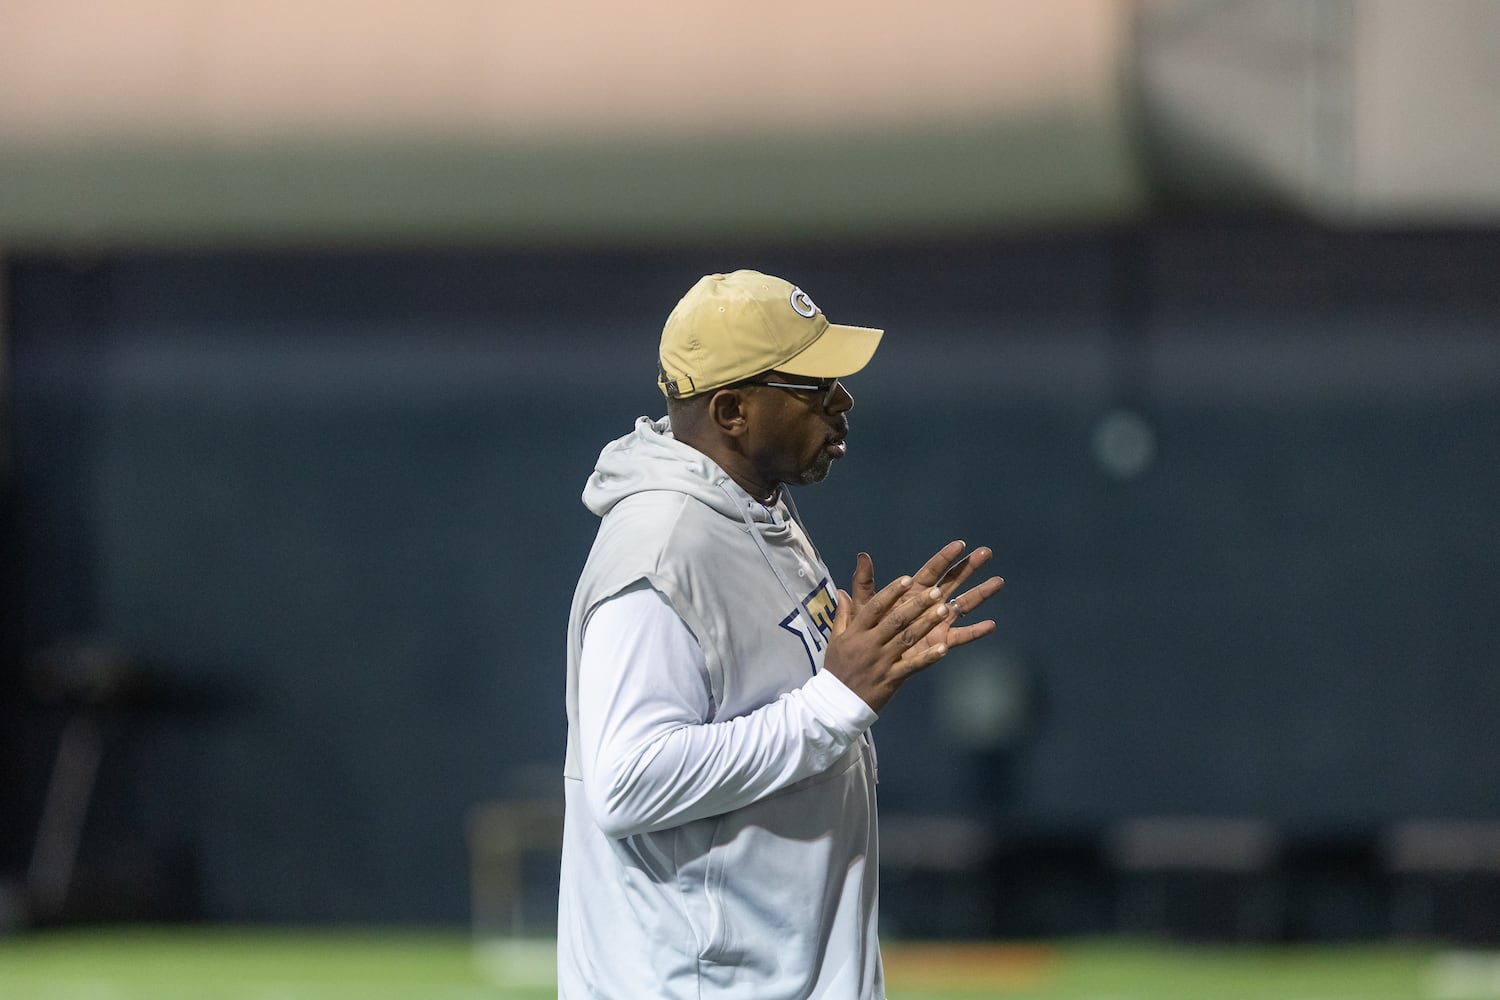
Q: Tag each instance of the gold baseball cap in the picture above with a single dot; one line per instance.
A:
(730, 327)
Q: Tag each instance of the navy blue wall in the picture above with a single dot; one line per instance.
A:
(333, 496)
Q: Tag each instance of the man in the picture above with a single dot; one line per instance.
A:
(720, 835)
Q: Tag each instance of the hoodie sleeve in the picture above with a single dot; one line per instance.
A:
(651, 759)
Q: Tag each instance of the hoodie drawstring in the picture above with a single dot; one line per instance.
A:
(760, 543)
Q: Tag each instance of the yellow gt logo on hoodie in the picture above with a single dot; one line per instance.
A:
(812, 621)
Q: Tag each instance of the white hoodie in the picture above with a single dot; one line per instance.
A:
(720, 836)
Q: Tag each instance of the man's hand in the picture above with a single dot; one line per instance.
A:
(881, 639)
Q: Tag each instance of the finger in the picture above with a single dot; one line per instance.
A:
(863, 582)
(909, 623)
(964, 568)
(877, 607)
(933, 569)
(924, 655)
(920, 659)
(972, 598)
(961, 634)
(961, 571)
(842, 613)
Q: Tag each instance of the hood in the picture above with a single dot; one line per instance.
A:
(650, 458)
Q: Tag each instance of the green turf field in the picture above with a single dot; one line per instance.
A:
(135, 964)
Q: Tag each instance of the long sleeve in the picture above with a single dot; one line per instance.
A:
(652, 759)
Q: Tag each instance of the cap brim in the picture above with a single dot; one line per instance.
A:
(840, 351)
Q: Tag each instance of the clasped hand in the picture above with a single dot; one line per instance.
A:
(882, 638)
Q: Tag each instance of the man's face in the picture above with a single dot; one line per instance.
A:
(797, 434)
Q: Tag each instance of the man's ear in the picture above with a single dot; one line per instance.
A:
(726, 409)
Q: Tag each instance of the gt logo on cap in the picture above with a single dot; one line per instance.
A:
(804, 305)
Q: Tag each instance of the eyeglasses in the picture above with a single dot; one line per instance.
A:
(829, 387)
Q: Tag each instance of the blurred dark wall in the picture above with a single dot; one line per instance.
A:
(328, 502)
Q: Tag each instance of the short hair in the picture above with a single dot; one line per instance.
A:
(687, 414)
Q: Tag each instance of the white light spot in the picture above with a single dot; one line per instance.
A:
(983, 700)
(1124, 444)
